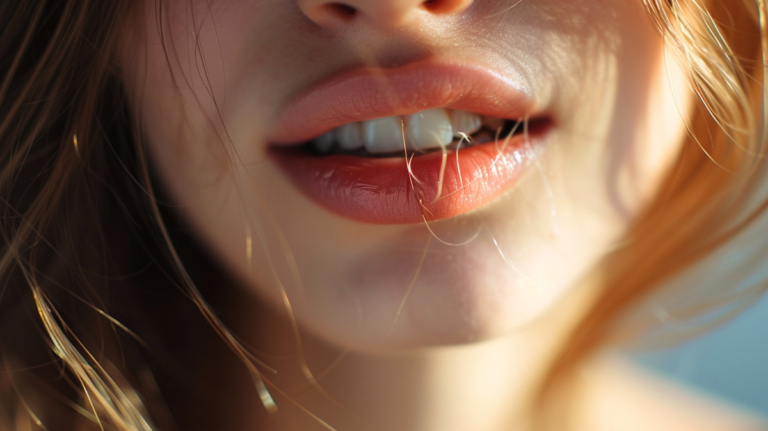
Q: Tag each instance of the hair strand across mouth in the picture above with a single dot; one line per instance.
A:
(416, 134)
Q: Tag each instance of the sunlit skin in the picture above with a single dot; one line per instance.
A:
(501, 280)
(593, 65)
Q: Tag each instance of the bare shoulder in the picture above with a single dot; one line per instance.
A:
(617, 395)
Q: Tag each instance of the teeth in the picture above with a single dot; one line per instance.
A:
(425, 130)
(429, 129)
(324, 143)
(350, 136)
(465, 122)
(383, 135)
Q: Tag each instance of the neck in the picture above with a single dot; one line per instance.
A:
(484, 387)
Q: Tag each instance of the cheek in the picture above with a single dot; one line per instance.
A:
(181, 60)
(625, 102)
(663, 129)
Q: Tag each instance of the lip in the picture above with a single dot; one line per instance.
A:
(400, 190)
(367, 92)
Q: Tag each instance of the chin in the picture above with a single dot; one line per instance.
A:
(402, 298)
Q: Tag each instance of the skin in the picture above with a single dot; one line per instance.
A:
(207, 92)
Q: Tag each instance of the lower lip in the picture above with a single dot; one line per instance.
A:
(382, 191)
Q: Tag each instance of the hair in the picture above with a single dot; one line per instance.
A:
(75, 184)
(722, 47)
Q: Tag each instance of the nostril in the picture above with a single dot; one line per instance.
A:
(341, 10)
(337, 14)
(445, 6)
(329, 14)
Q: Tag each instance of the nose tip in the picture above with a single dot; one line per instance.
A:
(383, 13)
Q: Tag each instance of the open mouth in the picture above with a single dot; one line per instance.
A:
(416, 134)
(421, 142)
(374, 172)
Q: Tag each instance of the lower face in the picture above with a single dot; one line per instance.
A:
(229, 107)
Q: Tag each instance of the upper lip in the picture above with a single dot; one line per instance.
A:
(369, 92)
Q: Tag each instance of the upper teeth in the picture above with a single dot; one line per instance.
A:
(433, 128)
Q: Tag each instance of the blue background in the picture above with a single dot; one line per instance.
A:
(730, 363)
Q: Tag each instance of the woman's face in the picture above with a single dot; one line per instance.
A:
(373, 249)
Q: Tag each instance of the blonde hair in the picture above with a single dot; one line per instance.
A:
(68, 147)
(713, 191)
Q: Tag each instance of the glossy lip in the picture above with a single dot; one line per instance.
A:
(400, 190)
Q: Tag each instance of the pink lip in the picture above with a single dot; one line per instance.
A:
(366, 93)
(381, 190)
